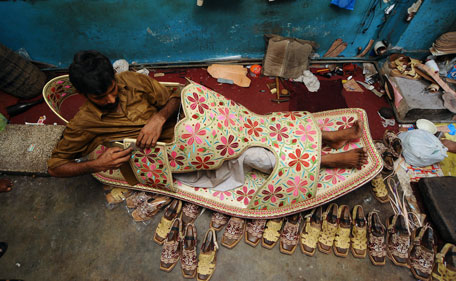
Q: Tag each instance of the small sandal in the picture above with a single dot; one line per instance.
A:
(342, 238)
(149, 208)
(189, 261)
(189, 213)
(290, 234)
(138, 198)
(171, 247)
(233, 232)
(376, 239)
(117, 194)
(311, 232)
(379, 189)
(272, 233)
(328, 229)
(171, 213)
(387, 156)
(359, 233)
(397, 241)
(391, 140)
(218, 221)
(254, 232)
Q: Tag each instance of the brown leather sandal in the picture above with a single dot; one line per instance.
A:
(290, 234)
(376, 245)
(189, 213)
(148, 209)
(422, 253)
(397, 240)
(189, 261)
(171, 247)
(218, 221)
(233, 232)
(254, 232)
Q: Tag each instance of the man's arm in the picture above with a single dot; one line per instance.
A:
(112, 158)
(150, 133)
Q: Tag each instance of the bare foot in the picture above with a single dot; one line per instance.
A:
(451, 145)
(5, 185)
(337, 139)
(354, 158)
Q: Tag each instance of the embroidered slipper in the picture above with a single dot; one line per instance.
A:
(189, 261)
(148, 209)
(117, 195)
(6, 185)
(445, 264)
(379, 189)
(3, 248)
(328, 229)
(171, 212)
(311, 231)
(393, 142)
(233, 232)
(218, 220)
(290, 234)
(138, 198)
(189, 213)
(422, 253)
(376, 239)
(397, 240)
(359, 233)
(171, 247)
(254, 232)
(207, 258)
(342, 239)
(272, 233)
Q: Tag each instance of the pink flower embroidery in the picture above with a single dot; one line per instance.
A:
(278, 131)
(334, 175)
(221, 194)
(202, 163)
(306, 132)
(175, 160)
(245, 194)
(227, 145)
(226, 117)
(198, 102)
(298, 159)
(193, 136)
(252, 128)
(272, 193)
(153, 171)
(326, 124)
(293, 115)
(296, 186)
(345, 123)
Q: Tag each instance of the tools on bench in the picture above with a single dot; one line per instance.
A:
(282, 95)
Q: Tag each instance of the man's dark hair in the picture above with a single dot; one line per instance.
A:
(91, 73)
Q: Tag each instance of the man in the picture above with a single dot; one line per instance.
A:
(118, 106)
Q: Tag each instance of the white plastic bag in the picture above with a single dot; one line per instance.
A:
(421, 148)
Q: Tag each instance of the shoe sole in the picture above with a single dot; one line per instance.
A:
(377, 263)
(246, 240)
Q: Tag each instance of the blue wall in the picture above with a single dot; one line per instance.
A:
(150, 31)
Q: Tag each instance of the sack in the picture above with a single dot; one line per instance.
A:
(421, 148)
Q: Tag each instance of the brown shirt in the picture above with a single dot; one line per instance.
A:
(140, 97)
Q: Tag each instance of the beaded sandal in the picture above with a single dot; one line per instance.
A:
(397, 240)
(189, 261)
(376, 239)
(218, 221)
(233, 232)
(254, 232)
(290, 234)
(422, 253)
(148, 209)
(171, 247)
(138, 198)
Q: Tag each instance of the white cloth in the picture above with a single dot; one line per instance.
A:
(310, 80)
(231, 173)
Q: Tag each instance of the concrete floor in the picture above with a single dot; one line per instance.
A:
(61, 229)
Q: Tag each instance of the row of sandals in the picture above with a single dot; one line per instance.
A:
(334, 230)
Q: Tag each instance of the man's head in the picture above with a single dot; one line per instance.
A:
(92, 74)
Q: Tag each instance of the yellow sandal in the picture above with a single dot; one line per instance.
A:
(328, 229)
(359, 233)
(379, 189)
(342, 239)
(272, 233)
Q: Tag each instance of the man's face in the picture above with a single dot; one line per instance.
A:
(107, 101)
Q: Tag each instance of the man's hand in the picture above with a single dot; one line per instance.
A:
(112, 158)
(149, 134)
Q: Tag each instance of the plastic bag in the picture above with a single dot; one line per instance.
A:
(421, 148)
